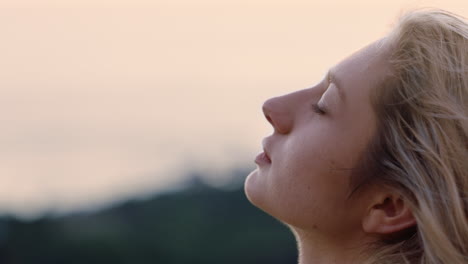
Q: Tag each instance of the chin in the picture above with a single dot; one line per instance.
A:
(249, 186)
(254, 189)
(256, 193)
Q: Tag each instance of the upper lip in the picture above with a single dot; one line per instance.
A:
(266, 147)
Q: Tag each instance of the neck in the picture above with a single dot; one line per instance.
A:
(314, 249)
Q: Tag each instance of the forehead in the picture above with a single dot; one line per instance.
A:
(359, 75)
(363, 70)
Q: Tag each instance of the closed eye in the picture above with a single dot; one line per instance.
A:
(317, 109)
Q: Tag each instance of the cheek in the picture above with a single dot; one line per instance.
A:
(312, 158)
(307, 184)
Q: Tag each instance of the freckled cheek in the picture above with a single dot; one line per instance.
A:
(307, 158)
(304, 164)
(319, 168)
(310, 190)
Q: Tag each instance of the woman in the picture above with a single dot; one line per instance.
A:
(371, 164)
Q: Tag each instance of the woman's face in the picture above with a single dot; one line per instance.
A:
(319, 135)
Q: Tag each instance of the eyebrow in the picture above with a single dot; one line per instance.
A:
(332, 78)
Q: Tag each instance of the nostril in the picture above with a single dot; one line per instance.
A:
(276, 115)
(280, 113)
(274, 122)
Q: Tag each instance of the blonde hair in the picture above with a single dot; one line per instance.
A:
(420, 149)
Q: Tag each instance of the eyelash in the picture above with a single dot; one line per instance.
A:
(317, 109)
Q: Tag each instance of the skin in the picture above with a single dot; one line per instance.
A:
(306, 185)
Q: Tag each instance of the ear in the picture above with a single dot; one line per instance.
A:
(388, 214)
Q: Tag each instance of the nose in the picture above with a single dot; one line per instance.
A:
(279, 113)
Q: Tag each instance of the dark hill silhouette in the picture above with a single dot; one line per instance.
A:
(199, 224)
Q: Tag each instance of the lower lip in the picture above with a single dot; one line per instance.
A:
(262, 159)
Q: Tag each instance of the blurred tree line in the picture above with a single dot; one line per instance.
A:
(199, 224)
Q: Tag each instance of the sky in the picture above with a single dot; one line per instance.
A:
(106, 100)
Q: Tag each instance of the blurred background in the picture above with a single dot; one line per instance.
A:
(127, 127)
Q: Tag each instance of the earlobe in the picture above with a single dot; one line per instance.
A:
(388, 215)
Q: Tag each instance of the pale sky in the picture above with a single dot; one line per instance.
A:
(103, 100)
